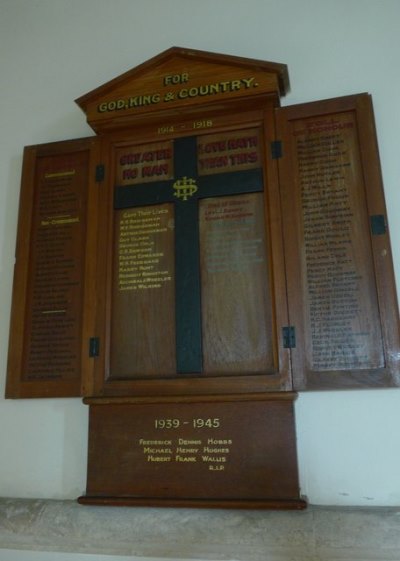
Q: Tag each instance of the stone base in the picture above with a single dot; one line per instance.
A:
(315, 534)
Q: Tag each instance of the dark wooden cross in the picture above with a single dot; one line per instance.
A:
(187, 245)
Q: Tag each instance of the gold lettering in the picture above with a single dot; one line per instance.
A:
(216, 459)
(235, 85)
(140, 265)
(169, 80)
(59, 174)
(151, 458)
(155, 442)
(149, 450)
(248, 82)
(59, 221)
(219, 442)
(175, 79)
(184, 442)
(191, 459)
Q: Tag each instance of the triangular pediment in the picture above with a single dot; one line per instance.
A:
(180, 77)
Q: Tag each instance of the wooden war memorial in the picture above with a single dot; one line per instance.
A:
(188, 269)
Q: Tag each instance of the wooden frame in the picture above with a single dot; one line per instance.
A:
(253, 102)
(40, 215)
(180, 319)
(107, 384)
(365, 346)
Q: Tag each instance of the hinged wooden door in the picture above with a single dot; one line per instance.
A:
(53, 309)
(341, 292)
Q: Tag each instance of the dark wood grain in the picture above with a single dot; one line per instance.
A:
(340, 280)
(221, 453)
(54, 264)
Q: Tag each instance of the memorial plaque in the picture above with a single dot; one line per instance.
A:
(142, 341)
(342, 300)
(236, 320)
(51, 262)
(197, 451)
(55, 294)
(330, 209)
(206, 255)
(143, 300)
(190, 274)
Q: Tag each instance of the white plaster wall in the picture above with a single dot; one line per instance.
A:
(53, 51)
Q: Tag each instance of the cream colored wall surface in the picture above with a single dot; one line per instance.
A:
(53, 51)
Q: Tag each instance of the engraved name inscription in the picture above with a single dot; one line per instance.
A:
(57, 262)
(142, 340)
(342, 304)
(141, 259)
(237, 327)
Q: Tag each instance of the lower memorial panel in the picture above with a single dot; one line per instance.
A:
(228, 453)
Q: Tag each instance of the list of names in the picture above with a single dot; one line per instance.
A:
(57, 262)
(340, 319)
